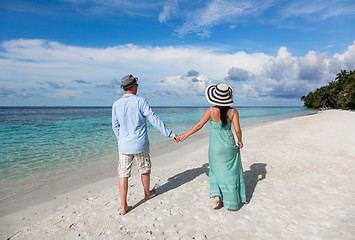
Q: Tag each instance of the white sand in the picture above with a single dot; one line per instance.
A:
(307, 193)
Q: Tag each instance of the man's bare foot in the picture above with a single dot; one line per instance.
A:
(125, 210)
(152, 194)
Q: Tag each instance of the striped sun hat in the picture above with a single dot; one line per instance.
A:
(220, 94)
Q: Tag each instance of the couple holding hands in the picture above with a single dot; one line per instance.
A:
(129, 114)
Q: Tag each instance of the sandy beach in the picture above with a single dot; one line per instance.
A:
(299, 175)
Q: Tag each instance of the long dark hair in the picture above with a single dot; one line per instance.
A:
(223, 114)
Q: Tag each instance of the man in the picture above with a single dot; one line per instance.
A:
(129, 124)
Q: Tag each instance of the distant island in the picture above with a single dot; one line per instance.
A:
(338, 94)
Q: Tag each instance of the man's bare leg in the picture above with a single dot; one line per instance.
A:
(123, 188)
(146, 182)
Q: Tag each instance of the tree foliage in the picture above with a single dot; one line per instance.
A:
(337, 94)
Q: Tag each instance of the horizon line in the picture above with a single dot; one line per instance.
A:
(109, 106)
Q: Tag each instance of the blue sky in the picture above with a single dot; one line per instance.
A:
(74, 52)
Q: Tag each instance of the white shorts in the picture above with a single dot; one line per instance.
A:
(125, 162)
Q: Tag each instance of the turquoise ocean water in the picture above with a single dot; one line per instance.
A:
(37, 141)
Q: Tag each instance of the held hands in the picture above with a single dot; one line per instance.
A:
(180, 138)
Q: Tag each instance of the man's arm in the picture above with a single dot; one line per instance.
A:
(155, 120)
(115, 123)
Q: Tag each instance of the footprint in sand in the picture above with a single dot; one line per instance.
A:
(107, 225)
(172, 211)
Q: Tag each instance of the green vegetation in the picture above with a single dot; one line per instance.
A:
(338, 94)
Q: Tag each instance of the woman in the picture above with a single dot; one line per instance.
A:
(226, 173)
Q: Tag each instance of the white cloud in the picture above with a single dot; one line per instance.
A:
(181, 89)
(169, 75)
(170, 9)
(318, 10)
(343, 61)
(288, 77)
(312, 66)
(69, 93)
(198, 17)
(238, 74)
(201, 18)
(215, 12)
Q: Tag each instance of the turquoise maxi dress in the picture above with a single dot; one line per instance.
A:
(226, 172)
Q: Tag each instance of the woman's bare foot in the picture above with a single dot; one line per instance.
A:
(216, 202)
(152, 194)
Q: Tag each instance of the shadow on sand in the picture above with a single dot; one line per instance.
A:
(182, 178)
(178, 180)
(251, 179)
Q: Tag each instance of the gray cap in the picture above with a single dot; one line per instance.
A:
(128, 81)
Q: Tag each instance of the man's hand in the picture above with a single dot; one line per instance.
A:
(177, 138)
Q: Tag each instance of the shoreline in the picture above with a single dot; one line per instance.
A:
(191, 156)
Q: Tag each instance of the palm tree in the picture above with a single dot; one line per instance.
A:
(341, 77)
(327, 100)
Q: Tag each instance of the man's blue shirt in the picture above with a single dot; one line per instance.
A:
(129, 123)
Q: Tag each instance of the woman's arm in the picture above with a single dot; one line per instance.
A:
(238, 130)
(198, 126)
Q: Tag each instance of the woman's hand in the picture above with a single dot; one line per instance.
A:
(240, 144)
(183, 137)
